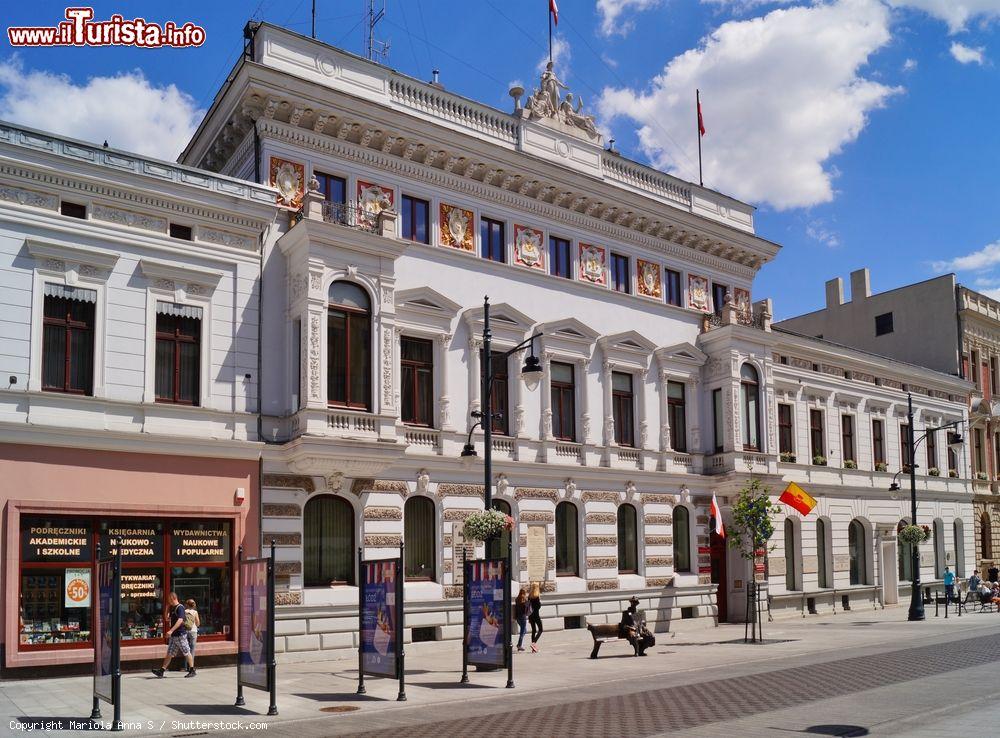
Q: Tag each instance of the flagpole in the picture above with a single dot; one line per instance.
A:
(697, 99)
(549, 12)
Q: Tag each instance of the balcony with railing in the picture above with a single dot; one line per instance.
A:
(756, 316)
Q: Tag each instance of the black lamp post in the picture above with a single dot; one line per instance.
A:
(916, 600)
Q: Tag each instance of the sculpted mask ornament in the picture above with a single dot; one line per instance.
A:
(592, 264)
(288, 178)
(373, 199)
(528, 247)
(649, 279)
(698, 292)
(456, 227)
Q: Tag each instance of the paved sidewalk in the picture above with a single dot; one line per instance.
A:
(561, 673)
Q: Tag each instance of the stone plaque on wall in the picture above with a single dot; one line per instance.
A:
(810, 564)
(537, 553)
(842, 562)
(776, 565)
(459, 544)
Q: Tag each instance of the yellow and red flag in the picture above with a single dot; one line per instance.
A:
(795, 496)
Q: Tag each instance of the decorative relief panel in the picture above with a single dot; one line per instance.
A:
(529, 249)
(457, 515)
(658, 581)
(741, 301)
(29, 197)
(373, 199)
(659, 519)
(456, 228)
(536, 493)
(536, 516)
(225, 238)
(314, 357)
(602, 562)
(382, 513)
(459, 490)
(601, 518)
(386, 540)
(281, 510)
(659, 561)
(601, 585)
(650, 278)
(289, 178)
(603, 540)
(387, 346)
(128, 218)
(288, 481)
(593, 264)
(659, 540)
(594, 496)
(698, 292)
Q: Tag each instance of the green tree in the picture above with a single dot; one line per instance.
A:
(749, 534)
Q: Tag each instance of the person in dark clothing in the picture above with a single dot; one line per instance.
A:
(534, 615)
(633, 629)
(521, 616)
(177, 640)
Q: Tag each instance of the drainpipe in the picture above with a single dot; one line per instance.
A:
(961, 328)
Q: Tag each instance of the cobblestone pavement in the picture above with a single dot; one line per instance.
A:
(651, 711)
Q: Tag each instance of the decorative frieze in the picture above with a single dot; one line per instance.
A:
(650, 498)
(283, 539)
(457, 515)
(288, 481)
(225, 238)
(383, 513)
(128, 218)
(598, 517)
(658, 519)
(288, 598)
(29, 197)
(536, 516)
(281, 510)
(453, 592)
(602, 541)
(659, 581)
(536, 493)
(383, 540)
(287, 568)
(459, 490)
(447, 566)
(600, 496)
(602, 562)
(360, 486)
(659, 561)
(601, 585)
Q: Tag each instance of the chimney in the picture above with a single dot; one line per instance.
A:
(861, 287)
(834, 292)
(436, 79)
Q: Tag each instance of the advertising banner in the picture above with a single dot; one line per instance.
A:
(139, 540)
(379, 617)
(106, 630)
(196, 542)
(55, 541)
(77, 588)
(255, 636)
(485, 638)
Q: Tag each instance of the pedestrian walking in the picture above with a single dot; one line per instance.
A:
(521, 615)
(949, 584)
(974, 581)
(176, 635)
(192, 621)
(534, 615)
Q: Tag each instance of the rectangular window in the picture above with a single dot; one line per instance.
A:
(718, 297)
(182, 232)
(904, 446)
(348, 338)
(975, 368)
(563, 402)
(296, 363)
(492, 244)
(333, 189)
(878, 442)
(717, 415)
(416, 380)
(785, 445)
(499, 392)
(672, 287)
(994, 377)
(68, 339)
(416, 219)
(560, 260)
(622, 408)
(816, 445)
(620, 279)
(977, 449)
(677, 414)
(847, 437)
(73, 210)
(932, 460)
(178, 353)
(883, 324)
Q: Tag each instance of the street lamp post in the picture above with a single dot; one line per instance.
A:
(531, 373)
(916, 611)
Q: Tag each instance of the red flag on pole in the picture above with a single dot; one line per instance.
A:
(554, 9)
(701, 120)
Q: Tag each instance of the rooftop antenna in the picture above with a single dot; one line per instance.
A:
(377, 51)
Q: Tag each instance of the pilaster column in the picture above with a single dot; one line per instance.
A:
(546, 398)
(609, 416)
(665, 444)
(640, 401)
(692, 407)
(444, 401)
(517, 390)
(475, 379)
(581, 367)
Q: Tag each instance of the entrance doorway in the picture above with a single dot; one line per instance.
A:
(718, 553)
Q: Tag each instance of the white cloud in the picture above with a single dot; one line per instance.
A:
(561, 56)
(986, 257)
(909, 65)
(819, 231)
(781, 95)
(967, 54)
(609, 61)
(126, 110)
(611, 14)
(956, 13)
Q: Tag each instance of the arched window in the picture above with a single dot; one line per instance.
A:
(985, 536)
(498, 546)
(349, 352)
(959, 535)
(419, 538)
(682, 539)
(328, 541)
(567, 540)
(750, 404)
(905, 556)
(858, 550)
(628, 540)
(821, 558)
(791, 575)
(938, 531)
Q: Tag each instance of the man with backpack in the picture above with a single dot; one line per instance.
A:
(177, 639)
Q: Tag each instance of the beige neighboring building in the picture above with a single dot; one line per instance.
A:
(944, 326)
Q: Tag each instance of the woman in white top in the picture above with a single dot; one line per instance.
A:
(192, 621)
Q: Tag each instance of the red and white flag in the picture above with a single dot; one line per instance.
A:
(717, 527)
(701, 119)
(554, 9)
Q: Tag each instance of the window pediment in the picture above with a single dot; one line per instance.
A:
(568, 337)
(160, 270)
(425, 308)
(509, 325)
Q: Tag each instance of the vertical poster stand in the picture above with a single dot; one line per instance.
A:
(381, 620)
(486, 616)
(255, 664)
(107, 635)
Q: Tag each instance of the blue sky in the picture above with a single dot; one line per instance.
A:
(864, 130)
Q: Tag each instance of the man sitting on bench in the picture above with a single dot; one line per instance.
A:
(633, 629)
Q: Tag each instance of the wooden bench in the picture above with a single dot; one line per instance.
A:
(602, 634)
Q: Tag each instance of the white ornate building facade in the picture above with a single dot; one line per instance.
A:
(407, 205)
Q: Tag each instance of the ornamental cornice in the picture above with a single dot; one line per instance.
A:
(473, 188)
